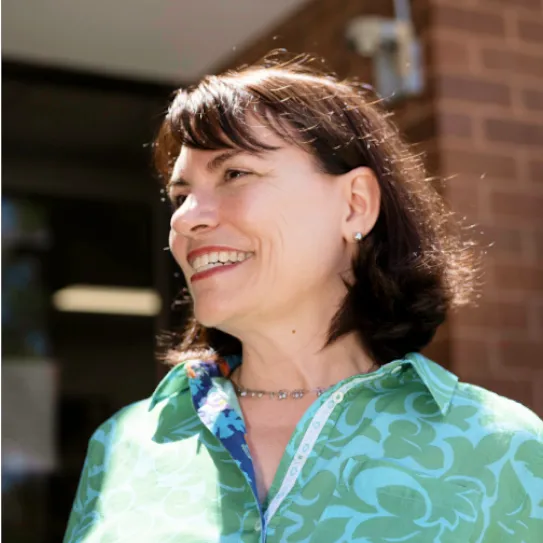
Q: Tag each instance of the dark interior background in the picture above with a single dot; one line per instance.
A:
(77, 167)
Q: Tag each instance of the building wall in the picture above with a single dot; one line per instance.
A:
(479, 122)
(488, 76)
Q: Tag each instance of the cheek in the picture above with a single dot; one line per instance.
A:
(177, 245)
(283, 217)
(251, 214)
(243, 205)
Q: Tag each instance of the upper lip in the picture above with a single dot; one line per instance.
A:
(192, 255)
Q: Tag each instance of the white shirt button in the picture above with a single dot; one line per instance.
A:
(338, 397)
(258, 525)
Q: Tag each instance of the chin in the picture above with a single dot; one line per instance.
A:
(213, 313)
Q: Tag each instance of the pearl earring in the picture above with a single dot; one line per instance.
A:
(357, 236)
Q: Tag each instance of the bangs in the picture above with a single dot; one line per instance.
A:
(218, 115)
(222, 112)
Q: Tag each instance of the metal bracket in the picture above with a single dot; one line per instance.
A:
(395, 51)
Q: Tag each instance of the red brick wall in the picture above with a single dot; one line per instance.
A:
(480, 123)
(488, 77)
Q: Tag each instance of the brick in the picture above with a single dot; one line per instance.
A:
(533, 99)
(535, 170)
(439, 352)
(512, 61)
(511, 277)
(421, 13)
(495, 315)
(526, 4)
(464, 199)
(513, 204)
(540, 317)
(538, 244)
(516, 132)
(500, 240)
(522, 353)
(448, 53)
(470, 20)
(473, 90)
(531, 31)
(455, 124)
(491, 165)
(423, 129)
(470, 355)
(537, 406)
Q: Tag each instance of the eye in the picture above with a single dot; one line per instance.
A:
(177, 200)
(233, 174)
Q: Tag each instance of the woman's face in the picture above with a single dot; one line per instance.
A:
(273, 218)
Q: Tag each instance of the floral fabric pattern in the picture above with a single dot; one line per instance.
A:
(408, 454)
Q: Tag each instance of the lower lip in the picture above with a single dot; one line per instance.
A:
(203, 275)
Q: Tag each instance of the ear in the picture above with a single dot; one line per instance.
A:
(363, 201)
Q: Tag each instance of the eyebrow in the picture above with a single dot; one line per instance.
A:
(213, 165)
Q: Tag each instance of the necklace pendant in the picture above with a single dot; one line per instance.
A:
(243, 393)
(260, 394)
(298, 394)
(282, 395)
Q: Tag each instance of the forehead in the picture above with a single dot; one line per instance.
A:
(190, 158)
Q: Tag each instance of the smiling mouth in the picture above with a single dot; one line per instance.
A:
(217, 259)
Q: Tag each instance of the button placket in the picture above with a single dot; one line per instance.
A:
(308, 442)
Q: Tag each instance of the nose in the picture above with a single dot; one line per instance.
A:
(198, 213)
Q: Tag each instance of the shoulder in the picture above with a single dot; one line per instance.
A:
(476, 422)
(125, 452)
(501, 445)
(470, 407)
(499, 414)
(168, 414)
(150, 421)
(126, 420)
(126, 424)
(492, 430)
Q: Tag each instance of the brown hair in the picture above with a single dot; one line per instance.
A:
(411, 268)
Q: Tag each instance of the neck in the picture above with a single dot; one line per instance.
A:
(290, 355)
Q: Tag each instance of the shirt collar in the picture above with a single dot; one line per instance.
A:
(440, 383)
(177, 379)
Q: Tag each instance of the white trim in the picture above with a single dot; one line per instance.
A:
(308, 442)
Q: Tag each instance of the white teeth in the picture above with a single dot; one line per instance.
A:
(218, 258)
(208, 267)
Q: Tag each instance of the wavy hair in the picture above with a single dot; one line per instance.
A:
(414, 265)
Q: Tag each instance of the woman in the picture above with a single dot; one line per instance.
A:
(320, 261)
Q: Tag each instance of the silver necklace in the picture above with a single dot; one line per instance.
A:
(282, 394)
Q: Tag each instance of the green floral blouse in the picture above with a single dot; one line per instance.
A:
(405, 454)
